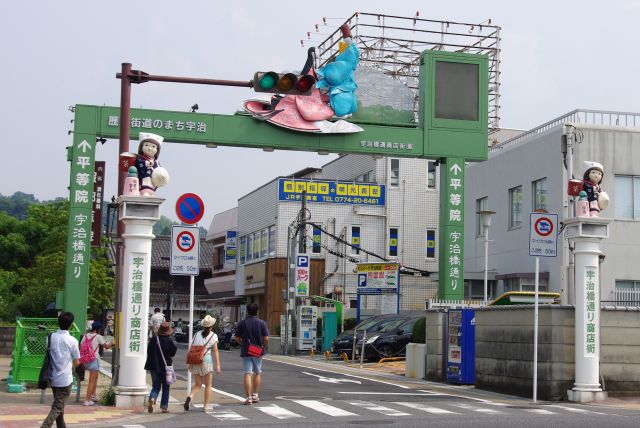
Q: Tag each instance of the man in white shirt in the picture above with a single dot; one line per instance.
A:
(65, 356)
(156, 319)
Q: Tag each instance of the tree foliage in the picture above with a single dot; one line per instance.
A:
(32, 262)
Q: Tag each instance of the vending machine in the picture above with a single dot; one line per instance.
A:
(306, 331)
(461, 330)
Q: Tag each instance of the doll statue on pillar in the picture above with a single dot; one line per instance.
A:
(598, 200)
(150, 174)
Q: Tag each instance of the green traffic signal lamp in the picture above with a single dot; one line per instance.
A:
(283, 83)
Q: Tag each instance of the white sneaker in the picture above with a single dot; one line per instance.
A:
(208, 408)
(89, 403)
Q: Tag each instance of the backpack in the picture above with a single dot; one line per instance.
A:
(87, 353)
(195, 355)
(45, 370)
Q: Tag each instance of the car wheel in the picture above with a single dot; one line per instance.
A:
(385, 351)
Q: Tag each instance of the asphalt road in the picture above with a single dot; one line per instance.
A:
(297, 394)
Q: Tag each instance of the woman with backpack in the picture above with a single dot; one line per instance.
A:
(160, 353)
(90, 358)
(204, 343)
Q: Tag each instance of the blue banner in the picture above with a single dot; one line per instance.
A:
(332, 192)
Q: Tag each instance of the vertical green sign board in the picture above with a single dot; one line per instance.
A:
(451, 254)
(82, 158)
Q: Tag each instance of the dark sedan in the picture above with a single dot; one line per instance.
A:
(344, 342)
(391, 341)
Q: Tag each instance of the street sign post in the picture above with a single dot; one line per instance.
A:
(185, 250)
(303, 277)
(381, 279)
(543, 242)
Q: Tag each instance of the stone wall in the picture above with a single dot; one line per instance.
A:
(434, 364)
(7, 336)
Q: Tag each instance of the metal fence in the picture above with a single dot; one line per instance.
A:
(438, 303)
(31, 344)
(624, 297)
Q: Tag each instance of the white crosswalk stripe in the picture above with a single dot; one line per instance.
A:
(323, 407)
(576, 409)
(540, 411)
(378, 408)
(225, 415)
(476, 409)
(425, 408)
(278, 412)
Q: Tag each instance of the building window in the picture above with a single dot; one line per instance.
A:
(272, 241)
(316, 240)
(218, 257)
(431, 174)
(394, 178)
(393, 242)
(515, 207)
(627, 197)
(243, 249)
(539, 190)
(481, 205)
(256, 245)
(264, 242)
(430, 248)
(250, 247)
(355, 240)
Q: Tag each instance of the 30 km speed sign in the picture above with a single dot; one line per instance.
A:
(185, 250)
(543, 234)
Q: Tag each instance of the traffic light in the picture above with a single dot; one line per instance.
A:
(283, 83)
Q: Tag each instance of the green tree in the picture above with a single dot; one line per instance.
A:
(163, 226)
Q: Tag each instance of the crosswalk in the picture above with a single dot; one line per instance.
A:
(308, 408)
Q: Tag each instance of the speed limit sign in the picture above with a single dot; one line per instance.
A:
(543, 234)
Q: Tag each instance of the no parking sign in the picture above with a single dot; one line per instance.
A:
(543, 234)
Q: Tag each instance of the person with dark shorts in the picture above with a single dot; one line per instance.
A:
(252, 330)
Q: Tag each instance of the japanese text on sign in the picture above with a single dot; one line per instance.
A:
(591, 336)
(302, 275)
(331, 192)
(136, 306)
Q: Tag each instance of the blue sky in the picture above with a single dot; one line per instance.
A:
(556, 56)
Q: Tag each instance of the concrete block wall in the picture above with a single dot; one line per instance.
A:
(7, 337)
(434, 364)
(504, 350)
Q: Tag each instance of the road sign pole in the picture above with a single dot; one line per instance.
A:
(535, 335)
(191, 298)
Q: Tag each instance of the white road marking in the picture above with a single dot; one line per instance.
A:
(322, 407)
(226, 415)
(475, 409)
(332, 379)
(576, 409)
(377, 408)
(540, 411)
(383, 393)
(228, 394)
(133, 426)
(481, 400)
(343, 374)
(278, 412)
(424, 408)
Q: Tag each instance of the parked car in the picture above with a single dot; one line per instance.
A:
(344, 342)
(390, 341)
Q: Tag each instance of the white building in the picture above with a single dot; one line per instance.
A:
(403, 229)
(529, 172)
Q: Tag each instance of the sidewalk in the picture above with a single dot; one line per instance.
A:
(23, 410)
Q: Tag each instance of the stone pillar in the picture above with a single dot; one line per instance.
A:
(587, 234)
(139, 214)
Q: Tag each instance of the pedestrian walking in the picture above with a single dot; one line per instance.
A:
(160, 353)
(92, 341)
(65, 356)
(252, 333)
(154, 322)
(203, 372)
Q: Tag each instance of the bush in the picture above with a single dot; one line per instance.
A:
(108, 397)
(419, 333)
(349, 323)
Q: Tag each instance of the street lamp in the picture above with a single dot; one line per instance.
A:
(485, 218)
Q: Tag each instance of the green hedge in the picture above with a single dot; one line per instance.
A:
(419, 332)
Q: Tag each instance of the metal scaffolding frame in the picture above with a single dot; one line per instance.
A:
(392, 44)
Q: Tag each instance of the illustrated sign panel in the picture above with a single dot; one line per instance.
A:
(331, 192)
(230, 249)
(378, 278)
(303, 277)
(185, 250)
(543, 234)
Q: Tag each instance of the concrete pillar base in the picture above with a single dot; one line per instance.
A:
(131, 397)
(578, 396)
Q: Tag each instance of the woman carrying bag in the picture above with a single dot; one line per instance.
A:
(160, 352)
(202, 344)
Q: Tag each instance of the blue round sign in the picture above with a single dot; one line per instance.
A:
(189, 208)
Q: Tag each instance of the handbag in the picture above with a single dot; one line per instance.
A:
(254, 350)
(170, 377)
(45, 370)
(196, 352)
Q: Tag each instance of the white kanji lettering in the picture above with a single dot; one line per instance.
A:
(202, 127)
(79, 245)
(135, 122)
(82, 178)
(83, 161)
(80, 219)
(114, 120)
(455, 215)
(81, 196)
(78, 259)
(190, 126)
(455, 199)
(455, 183)
(147, 122)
